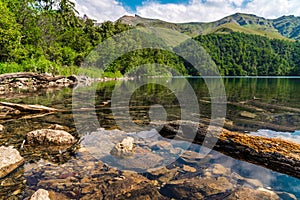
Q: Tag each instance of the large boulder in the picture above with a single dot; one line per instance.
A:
(50, 137)
(10, 160)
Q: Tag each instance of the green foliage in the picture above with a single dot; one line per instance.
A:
(47, 36)
(239, 54)
(9, 33)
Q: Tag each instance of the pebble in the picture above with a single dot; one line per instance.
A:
(2, 128)
(220, 170)
(124, 148)
(187, 168)
(248, 115)
(16, 192)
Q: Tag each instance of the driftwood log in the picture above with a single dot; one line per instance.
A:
(29, 108)
(41, 77)
(275, 154)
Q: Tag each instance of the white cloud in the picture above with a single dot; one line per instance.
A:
(195, 10)
(212, 10)
(274, 8)
(101, 10)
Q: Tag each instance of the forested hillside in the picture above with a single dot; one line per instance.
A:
(48, 36)
(244, 54)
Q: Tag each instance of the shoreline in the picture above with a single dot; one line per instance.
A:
(241, 146)
(23, 81)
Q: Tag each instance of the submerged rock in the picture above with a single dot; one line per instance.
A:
(41, 194)
(91, 180)
(214, 188)
(10, 160)
(162, 174)
(50, 137)
(218, 169)
(1, 128)
(254, 183)
(187, 168)
(124, 148)
(198, 188)
(58, 127)
(252, 194)
(286, 196)
(248, 115)
(190, 157)
(160, 145)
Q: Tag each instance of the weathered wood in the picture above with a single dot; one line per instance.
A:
(272, 106)
(26, 116)
(41, 77)
(276, 154)
(30, 108)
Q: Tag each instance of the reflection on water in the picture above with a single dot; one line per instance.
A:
(291, 136)
(269, 179)
(272, 103)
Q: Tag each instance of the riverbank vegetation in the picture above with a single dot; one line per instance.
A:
(48, 36)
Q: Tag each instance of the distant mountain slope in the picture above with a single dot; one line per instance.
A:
(281, 28)
(288, 26)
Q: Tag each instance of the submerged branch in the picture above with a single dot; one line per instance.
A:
(276, 154)
(30, 108)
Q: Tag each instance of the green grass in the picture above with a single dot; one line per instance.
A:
(248, 29)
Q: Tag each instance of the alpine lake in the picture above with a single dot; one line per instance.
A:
(103, 113)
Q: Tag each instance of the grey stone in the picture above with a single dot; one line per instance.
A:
(10, 160)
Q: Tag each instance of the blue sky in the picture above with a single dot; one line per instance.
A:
(132, 4)
(185, 10)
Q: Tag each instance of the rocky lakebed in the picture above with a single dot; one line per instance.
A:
(44, 155)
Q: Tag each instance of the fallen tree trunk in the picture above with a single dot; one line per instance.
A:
(276, 154)
(41, 77)
(30, 108)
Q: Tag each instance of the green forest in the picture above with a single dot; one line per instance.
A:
(240, 54)
(48, 36)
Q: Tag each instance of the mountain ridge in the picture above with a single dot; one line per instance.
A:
(284, 27)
